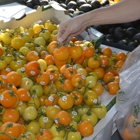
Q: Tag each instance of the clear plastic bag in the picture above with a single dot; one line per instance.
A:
(128, 117)
(128, 98)
(129, 77)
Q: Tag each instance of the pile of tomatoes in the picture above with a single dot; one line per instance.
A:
(50, 91)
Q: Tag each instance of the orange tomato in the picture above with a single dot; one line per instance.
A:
(108, 77)
(98, 88)
(13, 130)
(43, 79)
(44, 134)
(116, 79)
(107, 51)
(78, 97)
(23, 94)
(51, 100)
(104, 61)
(8, 98)
(88, 51)
(32, 68)
(74, 39)
(61, 53)
(69, 72)
(49, 59)
(43, 54)
(60, 63)
(32, 56)
(52, 46)
(53, 74)
(120, 56)
(119, 63)
(12, 87)
(85, 128)
(100, 72)
(126, 134)
(3, 81)
(77, 42)
(5, 71)
(10, 115)
(113, 88)
(14, 78)
(78, 80)
(79, 60)
(75, 51)
(67, 85)
(1, 51)
(63, 118)
(64, 67)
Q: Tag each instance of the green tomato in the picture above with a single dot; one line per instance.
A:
(26, 83)
(28, 135)
(82, 110)
(57, 133)
(42, 109)
(22, 72)
(74, 124)
(90, 97)
(21, 106)
(55, 32)
(90, 116)
(3, 64)
(75, 116)
(8, 58)
(52, 110)
(24, 50)
(82, 71)
(33, 127)
(37, 90)
(14, 65)
(100, 111)
(34, 101)
(45, 122)
(45, 34)
(29, 113)
(91, 81)
(40, 41)
(58, 138)
(74, 136)
(94, 74)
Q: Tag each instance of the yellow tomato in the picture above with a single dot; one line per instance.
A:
(17, 42)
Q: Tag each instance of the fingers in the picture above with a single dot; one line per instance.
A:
(60, 33)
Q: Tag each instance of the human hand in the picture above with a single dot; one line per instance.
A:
(70, 28)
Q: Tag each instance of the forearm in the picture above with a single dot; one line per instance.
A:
(124, 11)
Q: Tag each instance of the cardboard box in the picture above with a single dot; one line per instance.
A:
(103, 129)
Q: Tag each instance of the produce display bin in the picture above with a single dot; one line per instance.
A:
(105, 127)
